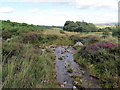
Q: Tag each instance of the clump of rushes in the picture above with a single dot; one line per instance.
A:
(76, 75)
(69, 70)
(60, 58)
(77, 80)
(62, 32)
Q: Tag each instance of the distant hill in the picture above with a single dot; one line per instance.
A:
(103, 25)
(50, 27)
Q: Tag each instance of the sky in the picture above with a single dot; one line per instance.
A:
(56, 12)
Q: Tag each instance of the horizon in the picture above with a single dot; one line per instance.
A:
(64, 23)
(56, 12)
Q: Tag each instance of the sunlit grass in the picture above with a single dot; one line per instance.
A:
(31, 70)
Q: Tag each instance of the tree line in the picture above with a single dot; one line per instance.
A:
(85, 27)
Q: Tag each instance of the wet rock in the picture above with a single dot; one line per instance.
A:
(74, 87)
(83, 72)
(81, 80)
(43, 50)
(9, 39)
(62, 86)
(65, 83)
(75, 82)
(63, 57)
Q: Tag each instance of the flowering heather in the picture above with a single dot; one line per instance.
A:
(98, 45)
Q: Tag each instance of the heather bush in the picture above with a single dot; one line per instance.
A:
(51, 37)
(32, 37)
(92, 39)
(6, 34)
(102, 60)
(96, 46)
(75, 39)
(106, 33)
(85, 40)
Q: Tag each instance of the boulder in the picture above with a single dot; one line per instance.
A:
(78, 44)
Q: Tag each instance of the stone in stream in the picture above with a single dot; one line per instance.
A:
(62, 86)
(75, 82)
(83, 72)
(74, 87)
(65, 83)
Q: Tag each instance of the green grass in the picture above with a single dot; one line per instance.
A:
(60, 58)
(31, 71)
(70, 70)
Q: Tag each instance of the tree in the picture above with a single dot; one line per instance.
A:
(70, 26)
(79, 26)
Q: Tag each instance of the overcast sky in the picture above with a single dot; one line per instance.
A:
(56, 12)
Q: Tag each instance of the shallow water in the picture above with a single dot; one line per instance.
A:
(63, 76)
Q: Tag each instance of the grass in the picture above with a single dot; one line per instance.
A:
(110, 39)
(31, 70)
(60, 58)
(58, 33)
(70, 70)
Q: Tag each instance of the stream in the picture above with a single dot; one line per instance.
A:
(65, 60)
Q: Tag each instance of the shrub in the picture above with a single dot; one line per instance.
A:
(116, 33)
(76, 39)
(6, 34)
(62, 32)
(105, 33)
(91, 39)
(32, 37)
(96, 46)
(52, 37)
(102, 60)
(85, 40)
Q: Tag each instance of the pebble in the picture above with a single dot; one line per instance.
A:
(62, 85)
(83, 72)
(74, 87)
(65, 83)
(81, 80)
(75, 82)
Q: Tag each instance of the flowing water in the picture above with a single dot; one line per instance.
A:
(63, 76)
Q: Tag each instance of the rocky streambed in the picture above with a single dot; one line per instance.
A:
(70, 74)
